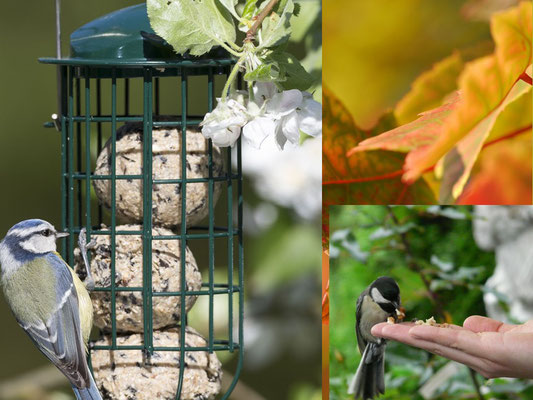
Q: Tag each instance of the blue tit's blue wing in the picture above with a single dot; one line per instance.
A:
(60, 337)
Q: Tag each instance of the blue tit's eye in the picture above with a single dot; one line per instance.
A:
(46, 232)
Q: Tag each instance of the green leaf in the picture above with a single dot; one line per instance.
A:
(302, 22)
(191, 25)
(249, 9)
(230, 6)
(276, 29)
(367, 177)
(264, 73)
(292, 74)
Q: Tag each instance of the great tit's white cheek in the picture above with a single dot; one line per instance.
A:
(378, 297)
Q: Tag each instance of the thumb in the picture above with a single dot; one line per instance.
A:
(478, 324)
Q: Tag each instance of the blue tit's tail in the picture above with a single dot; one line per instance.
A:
(369, 380)
(90, 393)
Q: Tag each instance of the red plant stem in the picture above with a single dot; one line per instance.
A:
(526, 78)
(365, 179)
(394, 174)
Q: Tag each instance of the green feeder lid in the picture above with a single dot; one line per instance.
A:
(125, 37)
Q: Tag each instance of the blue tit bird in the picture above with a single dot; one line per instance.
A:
(49, 301)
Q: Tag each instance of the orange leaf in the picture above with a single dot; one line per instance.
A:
(484, 84)
(504, 175)
(366, 177)
(429, 89)
(410, 137)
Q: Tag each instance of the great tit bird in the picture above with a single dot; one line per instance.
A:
(48, 300)
(376, 304)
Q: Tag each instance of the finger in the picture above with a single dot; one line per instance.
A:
(478, 324)
(377, 330)
(401, 333)
(459, 339)
(479, 364)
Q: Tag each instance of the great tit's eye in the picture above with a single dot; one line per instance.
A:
(47, 232)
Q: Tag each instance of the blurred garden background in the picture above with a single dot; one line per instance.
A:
(282, 211)
(385, 45)
(434, 254)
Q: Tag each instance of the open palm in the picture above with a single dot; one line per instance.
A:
(492, 348)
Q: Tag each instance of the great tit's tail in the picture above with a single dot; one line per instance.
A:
(369, 380)
(90, 393)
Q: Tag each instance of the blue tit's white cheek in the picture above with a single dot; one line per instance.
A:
(39, 244)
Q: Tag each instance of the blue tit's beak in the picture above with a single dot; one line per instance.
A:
(61, 234)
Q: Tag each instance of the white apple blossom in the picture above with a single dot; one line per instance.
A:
(223, 125)
(282, 115)
(291, 110)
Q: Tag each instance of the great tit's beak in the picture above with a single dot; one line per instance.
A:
(62, 234)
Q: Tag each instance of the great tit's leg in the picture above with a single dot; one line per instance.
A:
(83, 245)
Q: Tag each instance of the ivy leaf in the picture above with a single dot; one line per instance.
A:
(191, 25)
(293, 73)
(366, 177)
(429, 89)
(276, 29)
(484, 85)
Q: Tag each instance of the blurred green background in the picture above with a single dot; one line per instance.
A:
(409, 243)
(283, 291)
(373, 50)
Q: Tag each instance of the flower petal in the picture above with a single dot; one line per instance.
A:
(257, 130)
(285, 102)
(310, 117)
(290, 127)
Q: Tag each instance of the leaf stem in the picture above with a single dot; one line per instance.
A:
(228, 48)
(231, 78)
(250, 35)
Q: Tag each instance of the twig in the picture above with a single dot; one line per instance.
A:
(476, 384)
(250, 35)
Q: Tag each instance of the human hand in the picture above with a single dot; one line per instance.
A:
(490, 347)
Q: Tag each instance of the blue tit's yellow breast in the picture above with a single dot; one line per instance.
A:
(30, 291)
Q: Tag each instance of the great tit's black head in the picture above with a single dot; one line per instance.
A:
(386, 293)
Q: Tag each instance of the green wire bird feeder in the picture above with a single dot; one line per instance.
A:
(128, 134)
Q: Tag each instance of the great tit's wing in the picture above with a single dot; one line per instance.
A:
(60, 337)
(361, 342)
